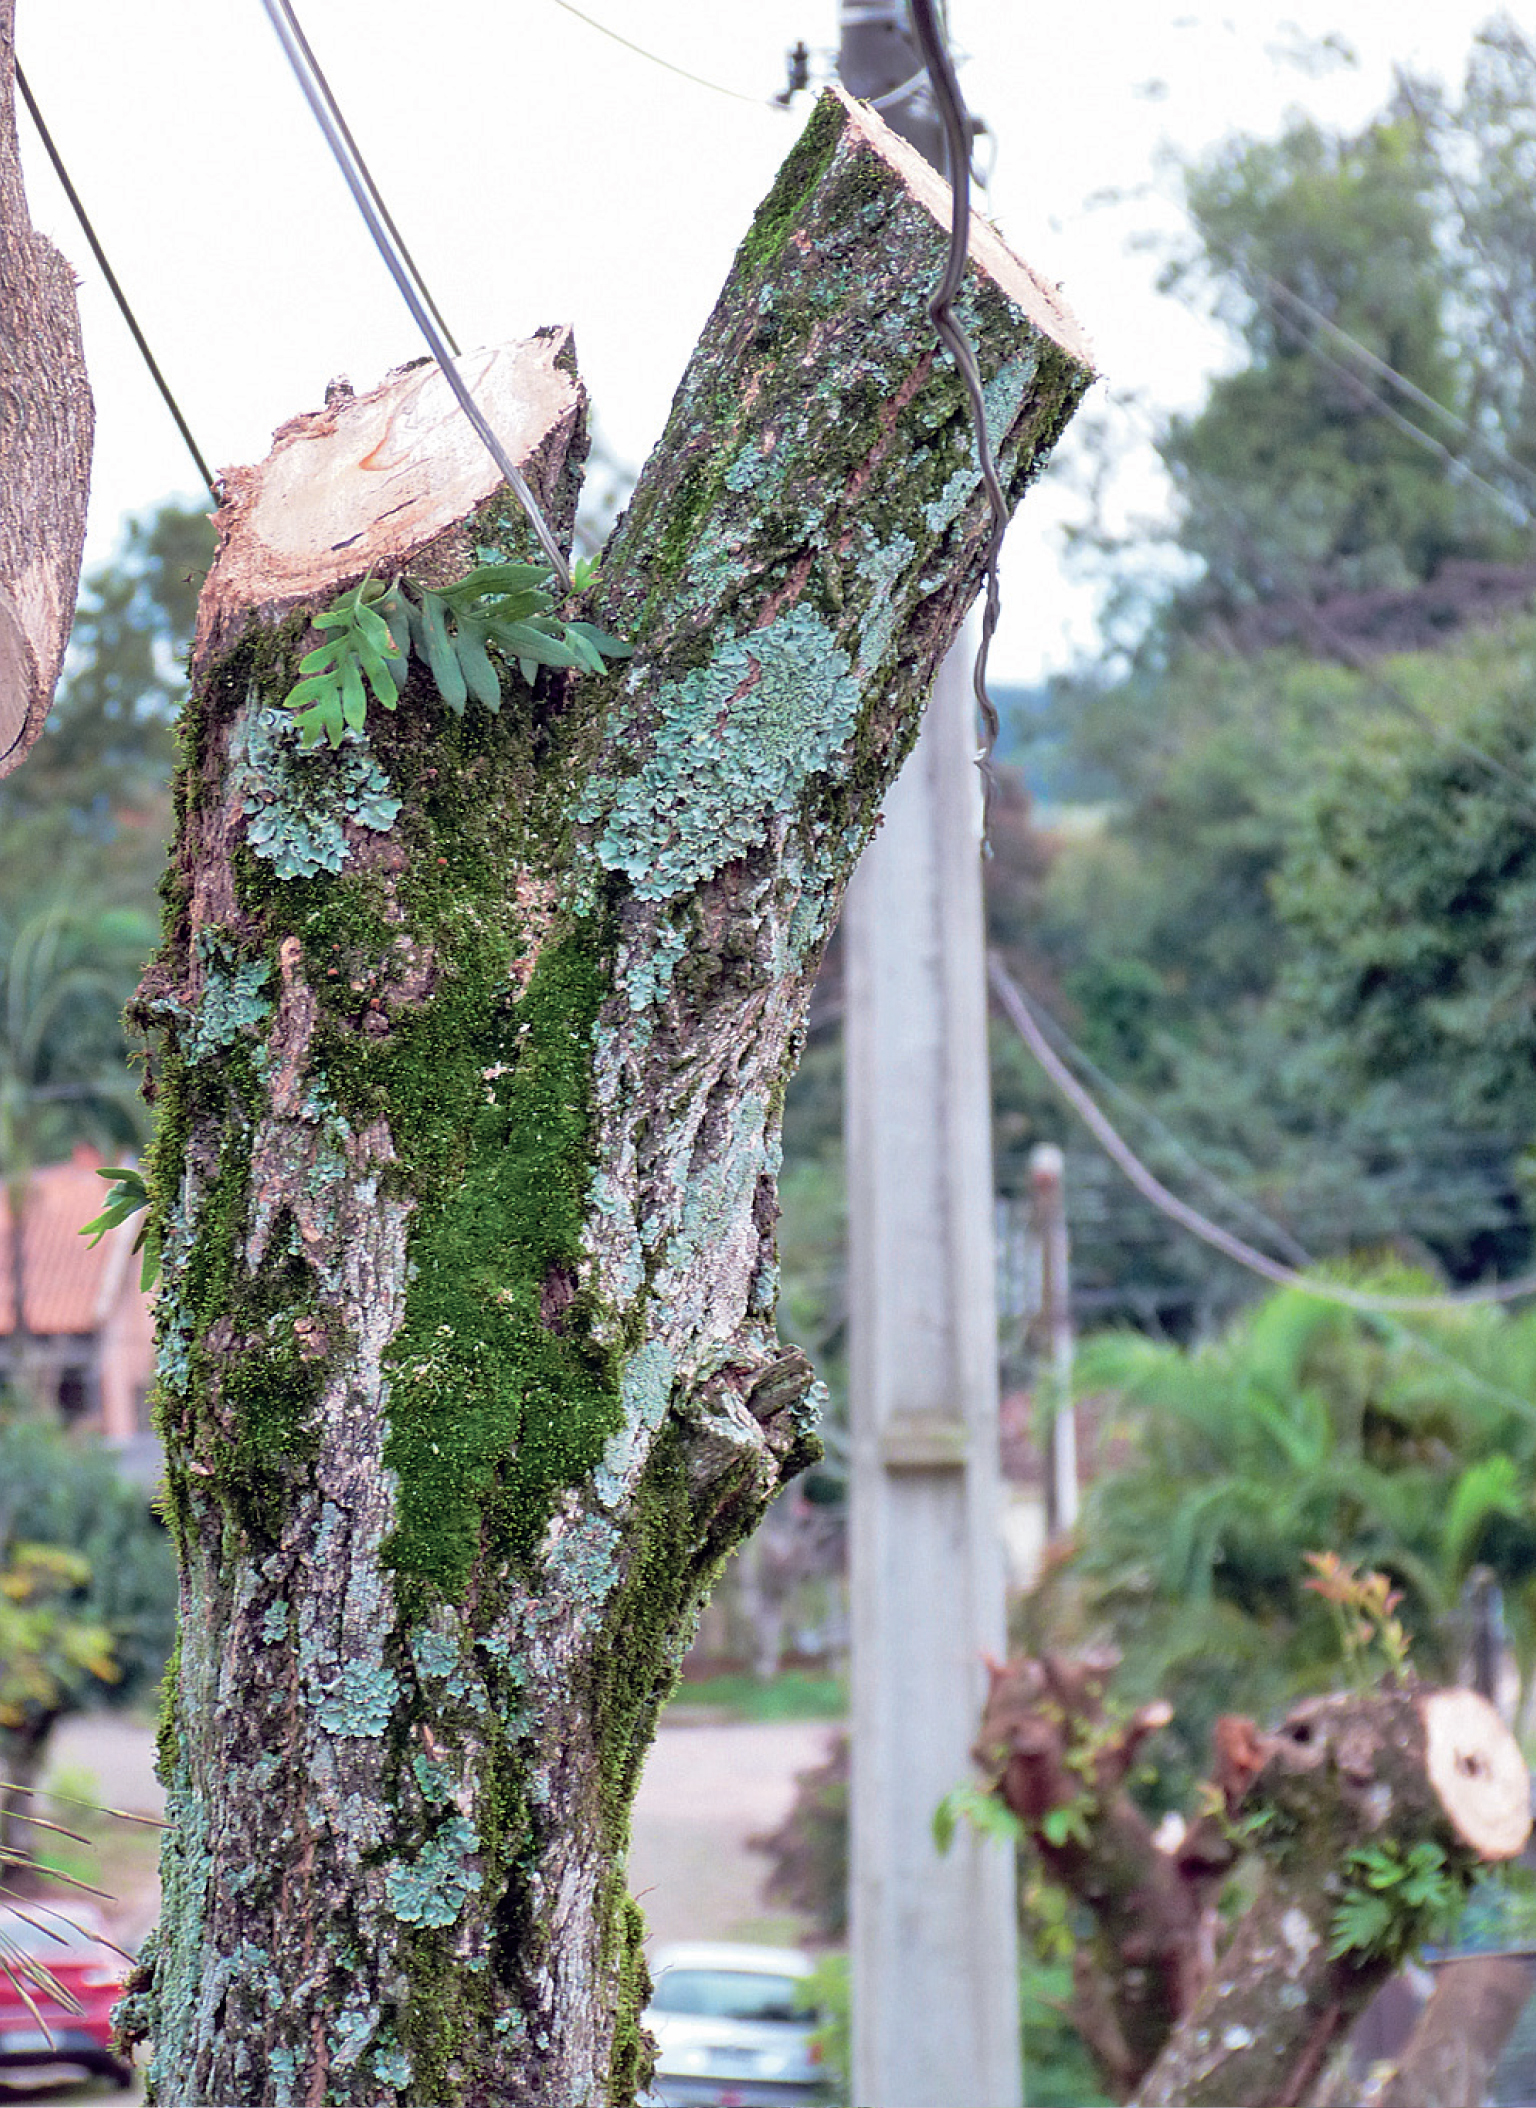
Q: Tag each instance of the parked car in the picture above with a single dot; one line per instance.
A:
(733, 2027)
(65, 1942)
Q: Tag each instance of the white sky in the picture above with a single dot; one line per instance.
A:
(542, 173)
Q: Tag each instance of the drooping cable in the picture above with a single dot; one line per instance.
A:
(1218, 1189)
(317, 93)
(931, 43)
(766, 102)
(1016, 1009)
(113, 287)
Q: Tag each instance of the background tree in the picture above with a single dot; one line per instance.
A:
(45, 444)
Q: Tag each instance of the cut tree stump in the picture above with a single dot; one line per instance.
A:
(1169, 2018)
(1394, 1770)
(45, 445)
(473, 1035)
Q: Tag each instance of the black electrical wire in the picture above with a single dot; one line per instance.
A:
(322, 103)
(116, 290)
(955, 120)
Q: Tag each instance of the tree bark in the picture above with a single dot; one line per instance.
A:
(473, 1040)
(46, 426)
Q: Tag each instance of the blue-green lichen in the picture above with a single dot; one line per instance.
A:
(360, 1703)
(394, 2067)
(738, 738)
(297, 804)
(234, 998)
(434, 1887)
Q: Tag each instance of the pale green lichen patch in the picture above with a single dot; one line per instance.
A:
(355, 2028)
(297, 805)
(234, 998)
(646, 1391)
(361, 1700)
(737, 740)
(434, 1887)
(394, 2067)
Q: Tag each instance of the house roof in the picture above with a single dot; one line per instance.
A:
(70, 1283)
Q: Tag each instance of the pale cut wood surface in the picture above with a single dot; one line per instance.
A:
(1474, 1764)
(369, 482)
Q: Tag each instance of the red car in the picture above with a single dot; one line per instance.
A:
(69, 2022)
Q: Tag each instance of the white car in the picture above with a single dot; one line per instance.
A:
(733, 2028)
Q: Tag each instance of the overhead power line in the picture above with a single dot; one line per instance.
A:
(326, 113)
(115, 289)
(1016, 1009)
(765, 102)
(1400, 381)
(1216, 1187)
(366, 175)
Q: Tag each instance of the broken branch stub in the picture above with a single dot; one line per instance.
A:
(386, 481)
(1474, 1765)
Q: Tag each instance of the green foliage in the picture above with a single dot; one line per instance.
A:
(1371, 1638)
(830, 1990)
(130, 1197)
(987, 1815)
(1299, 480)
(1394, 1900)
(373, 631)
(1305, 1426)
(1058, 2071)
(49, 1654)
(1299, 937)
(119, 1573)
(67, 966)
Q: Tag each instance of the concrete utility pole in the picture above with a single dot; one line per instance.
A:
(1053, 1345)
(935, 1988)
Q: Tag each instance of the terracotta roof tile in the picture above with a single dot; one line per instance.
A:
(70, 1284)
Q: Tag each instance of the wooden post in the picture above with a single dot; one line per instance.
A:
(473, 1035)
(1053, 1364)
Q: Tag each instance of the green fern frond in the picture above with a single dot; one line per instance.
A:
(375, 630)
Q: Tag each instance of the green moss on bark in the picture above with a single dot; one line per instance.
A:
(500, 1395)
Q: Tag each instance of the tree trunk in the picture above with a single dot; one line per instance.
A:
(22, 1751)
(45, 445)
(1391, 1772)
(473, 1041)
(1449, 2058)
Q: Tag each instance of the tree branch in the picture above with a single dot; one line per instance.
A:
(45, 445)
